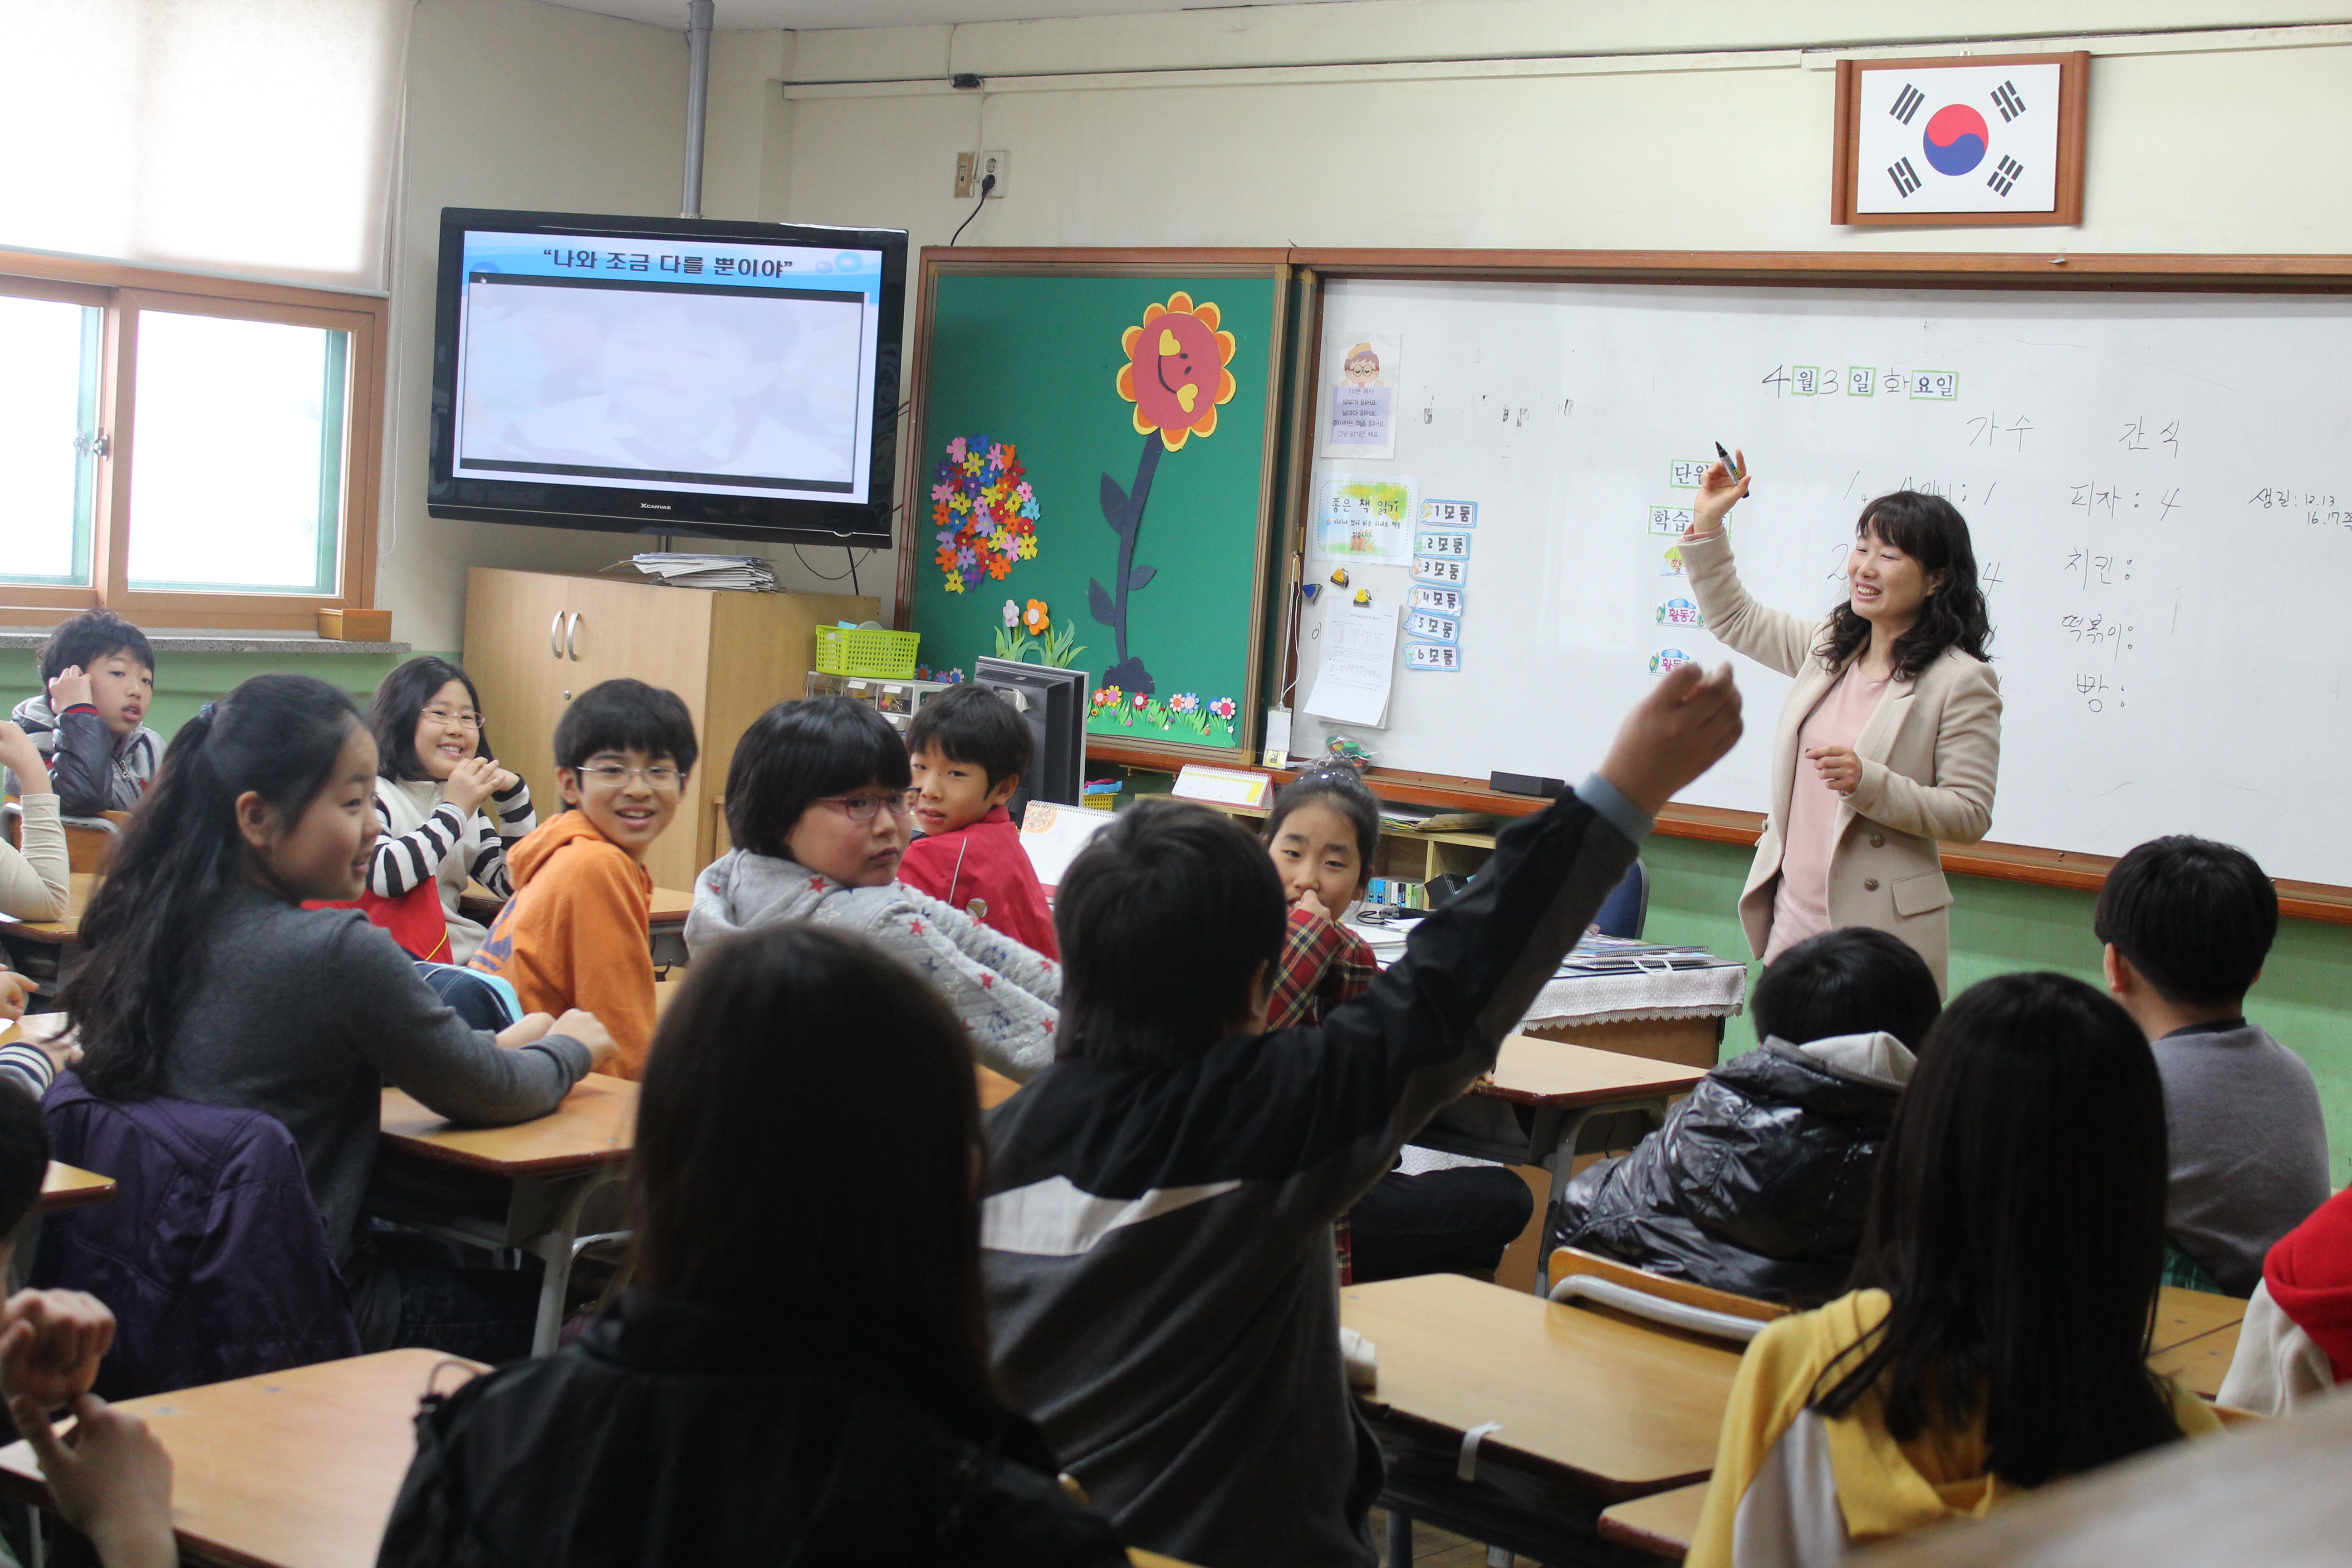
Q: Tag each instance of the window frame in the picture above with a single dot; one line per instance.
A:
(124, 291)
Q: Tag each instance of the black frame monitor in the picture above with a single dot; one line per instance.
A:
(668, 376)
(1056, 708)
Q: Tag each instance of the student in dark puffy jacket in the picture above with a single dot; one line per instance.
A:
(799, 1372)
(1760, 1179)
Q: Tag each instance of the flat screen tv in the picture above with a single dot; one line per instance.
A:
(667, 375)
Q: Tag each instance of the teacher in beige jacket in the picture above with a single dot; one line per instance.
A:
(1890, 740)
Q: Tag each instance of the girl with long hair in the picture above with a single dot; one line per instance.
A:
(1996, 1333)
(797, 1372)
(435, 773)
(204, 978)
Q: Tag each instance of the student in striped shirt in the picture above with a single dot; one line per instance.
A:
(435, 770)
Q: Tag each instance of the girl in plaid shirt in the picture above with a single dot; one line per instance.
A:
(1324, 833)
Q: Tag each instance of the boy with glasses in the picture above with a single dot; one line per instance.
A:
(818, 803)
(578, 931)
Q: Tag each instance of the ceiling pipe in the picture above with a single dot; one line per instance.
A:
(697, 98)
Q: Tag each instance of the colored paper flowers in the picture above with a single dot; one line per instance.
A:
(1035, 618)
(983, 512)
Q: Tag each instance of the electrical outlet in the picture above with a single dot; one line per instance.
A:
(964, 176)
(999, 163)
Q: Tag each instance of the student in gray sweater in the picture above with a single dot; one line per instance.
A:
(204, 978)
(2187, 924)
(1156, 1213)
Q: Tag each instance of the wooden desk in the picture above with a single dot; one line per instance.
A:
(71, 1187)
(1594, 1410)
(1561, 1087)
(2184, 1315)
(544, 1173)
(292, 1469)
(995, 1089)
(1661, 1524)
(2200, 1364)
(66, 930)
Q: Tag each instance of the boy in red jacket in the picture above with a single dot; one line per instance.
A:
(969, 749)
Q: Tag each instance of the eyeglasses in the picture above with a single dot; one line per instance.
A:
(863, 807)
(443, 716)
(612, 775)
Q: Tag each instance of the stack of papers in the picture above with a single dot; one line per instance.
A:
(744, 572)
(1598, 954)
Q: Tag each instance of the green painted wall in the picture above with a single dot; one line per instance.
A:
(187, 681)
(1999, 927)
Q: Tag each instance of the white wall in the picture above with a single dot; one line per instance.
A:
(1665, 124)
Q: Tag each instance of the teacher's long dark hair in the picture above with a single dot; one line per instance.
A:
(1931, 530)
(2018, 1225)
(277, 736)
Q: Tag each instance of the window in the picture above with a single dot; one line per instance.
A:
(194, 452)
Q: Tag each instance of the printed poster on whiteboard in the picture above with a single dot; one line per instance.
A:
(1357, 412)
(1366, 518)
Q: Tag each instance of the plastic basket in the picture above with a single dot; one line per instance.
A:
(877, 655)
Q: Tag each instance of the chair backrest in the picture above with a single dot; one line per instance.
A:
(1587, 1279)
(90, 846)
(212, 1254)
(1626, 909)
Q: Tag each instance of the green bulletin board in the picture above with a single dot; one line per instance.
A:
(1095, 485)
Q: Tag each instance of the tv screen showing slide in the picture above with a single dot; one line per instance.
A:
(689, 378)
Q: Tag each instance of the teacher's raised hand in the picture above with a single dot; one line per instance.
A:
(1718, 493)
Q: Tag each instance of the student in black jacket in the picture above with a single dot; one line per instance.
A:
(1162, 1294)
(798, 1374)
(1759, 1182)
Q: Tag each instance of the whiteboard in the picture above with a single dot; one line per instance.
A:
(2158, 487)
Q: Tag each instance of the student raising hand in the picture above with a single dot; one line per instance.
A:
(110, 1479)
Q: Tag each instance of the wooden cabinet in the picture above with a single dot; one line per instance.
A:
(535, 640)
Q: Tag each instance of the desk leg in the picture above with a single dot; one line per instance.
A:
(554, 1249)
(1562, 1162)
(1400, 1540)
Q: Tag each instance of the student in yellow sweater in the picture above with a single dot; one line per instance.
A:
(1997, 1336)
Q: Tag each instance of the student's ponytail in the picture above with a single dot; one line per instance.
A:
(277, 736)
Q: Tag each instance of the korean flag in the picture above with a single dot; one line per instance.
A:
(1957, 139)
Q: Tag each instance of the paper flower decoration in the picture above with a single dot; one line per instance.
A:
(1011, 613)
(1175, 372)
(1035, 618)
(984, 513)
(1222, 708)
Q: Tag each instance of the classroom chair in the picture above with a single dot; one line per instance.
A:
(1626, 909)
(212, 1255)
(1588, 1280)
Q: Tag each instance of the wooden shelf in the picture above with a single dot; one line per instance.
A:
(2321, 901)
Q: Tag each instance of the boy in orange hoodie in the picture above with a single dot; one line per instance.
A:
(577, 932)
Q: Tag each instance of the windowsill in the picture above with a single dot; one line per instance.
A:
(25, 638)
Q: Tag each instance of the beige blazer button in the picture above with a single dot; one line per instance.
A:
(1870, 885)
(1878, 841)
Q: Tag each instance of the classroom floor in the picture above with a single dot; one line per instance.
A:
(1432, 1548)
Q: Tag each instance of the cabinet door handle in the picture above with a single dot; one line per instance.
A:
(555, 636)
(571, 638)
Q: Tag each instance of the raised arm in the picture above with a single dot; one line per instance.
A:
(1957, 807)
(1432, 1023)
(34, 884)
(1774, 639)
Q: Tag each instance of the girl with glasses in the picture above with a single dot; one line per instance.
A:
(817, 803)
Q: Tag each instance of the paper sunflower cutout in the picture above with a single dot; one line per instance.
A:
(1175, 372)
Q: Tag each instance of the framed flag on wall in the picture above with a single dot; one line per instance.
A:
(1965, 140)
